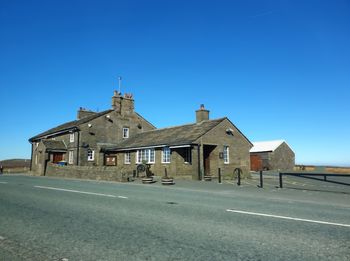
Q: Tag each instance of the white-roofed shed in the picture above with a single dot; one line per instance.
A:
(271, 155)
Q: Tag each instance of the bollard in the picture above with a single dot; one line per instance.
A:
(261, 179)
(219, 175)
(280, 176)
(238, 171)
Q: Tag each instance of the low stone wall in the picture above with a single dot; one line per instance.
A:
(16, 170)
(86, 172)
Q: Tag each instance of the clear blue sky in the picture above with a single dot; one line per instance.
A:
(277, 69)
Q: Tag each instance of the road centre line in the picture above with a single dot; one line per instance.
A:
(77, 191)
(122, 197)
(3, 182)
(289, 218)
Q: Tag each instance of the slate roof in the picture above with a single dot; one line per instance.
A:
(69, 125)
(266, 146)
(54, 145)
(172, 136)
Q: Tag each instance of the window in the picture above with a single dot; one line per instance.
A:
(166, 155)
(127, 157)
(70, 157)
(151, 156)
(125, 133)
(226, 155)
(147, 155)
(91, 155)
(188, 155)
(71, 137)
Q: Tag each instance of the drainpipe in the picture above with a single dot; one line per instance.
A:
(78, 148)
(31, 158)
(199, 162)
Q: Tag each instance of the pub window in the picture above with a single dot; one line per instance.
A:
(226, 155)
(125, 133)
(91, 155)
(166, 155)
(127, 157)
(147, 155)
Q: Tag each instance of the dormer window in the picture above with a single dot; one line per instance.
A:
(125, 133)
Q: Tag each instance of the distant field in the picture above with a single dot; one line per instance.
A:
(15, 165)
(331, 169)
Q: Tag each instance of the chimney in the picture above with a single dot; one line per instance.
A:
(202, 114)
(82, 113)
(123, 104)
(116, 101)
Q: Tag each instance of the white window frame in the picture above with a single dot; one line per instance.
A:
(126, 131)
(127, 157)
(71, 137)
(147, 155)
(166, 155)
(92, 156)
(226, 154)
(152, 156)
(70, 156)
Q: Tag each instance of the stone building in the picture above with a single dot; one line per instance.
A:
(271, 155)
(79, 142)
(119, 139)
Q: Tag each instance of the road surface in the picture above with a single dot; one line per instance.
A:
(62, 219)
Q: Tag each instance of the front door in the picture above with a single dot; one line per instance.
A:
(57, 157)
(207, 149)
(256, 163)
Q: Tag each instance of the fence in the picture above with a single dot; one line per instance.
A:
(314, 176)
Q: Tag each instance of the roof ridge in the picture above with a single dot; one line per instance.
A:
(70, 124)
(187, 124)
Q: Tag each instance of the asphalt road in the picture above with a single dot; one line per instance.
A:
(59, 219)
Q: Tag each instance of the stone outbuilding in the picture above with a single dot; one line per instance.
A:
(271, 155)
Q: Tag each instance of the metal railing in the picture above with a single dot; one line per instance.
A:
(314, 176)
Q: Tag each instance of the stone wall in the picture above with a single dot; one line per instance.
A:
(283, 158)
(86, 172)
(239, 146)
(177, 168)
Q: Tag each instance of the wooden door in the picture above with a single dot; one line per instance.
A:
(256, 163)
(57, 157)
(207, 149)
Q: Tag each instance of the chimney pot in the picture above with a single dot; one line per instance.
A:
(202, 114)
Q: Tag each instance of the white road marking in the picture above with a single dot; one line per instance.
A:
(2, 238)
(122, 197)
(76, 191)
(289, 218)
(3, 182)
